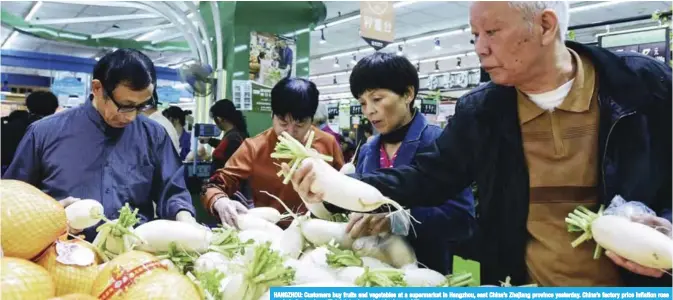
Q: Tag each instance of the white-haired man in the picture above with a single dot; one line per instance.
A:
(560, 125)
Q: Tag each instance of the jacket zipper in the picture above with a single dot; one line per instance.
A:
(605, 151)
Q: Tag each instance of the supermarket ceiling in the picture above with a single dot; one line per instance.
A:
(417, 25)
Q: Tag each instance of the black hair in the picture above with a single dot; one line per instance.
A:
(226, 110)
(175, 112)
(384, 71)
(42, 103)
(129, 67)
(17, 114)
(296, 97)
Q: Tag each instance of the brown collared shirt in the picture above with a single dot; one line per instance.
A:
(561, 150)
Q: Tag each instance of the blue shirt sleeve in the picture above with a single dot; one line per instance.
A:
(169, 182)
(26, 164)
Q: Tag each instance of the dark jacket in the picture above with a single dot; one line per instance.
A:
(12, 133)
(482, 143)
(440, 227)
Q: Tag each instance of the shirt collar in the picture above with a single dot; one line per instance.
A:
(98, 121)
(578, 99)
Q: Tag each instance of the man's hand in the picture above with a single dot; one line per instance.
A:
(302, 179)
(228, 211)
(367, 225)
(660, 224)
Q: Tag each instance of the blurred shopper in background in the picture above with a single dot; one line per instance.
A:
(386, 86)
(293, 105)
(178, 118)
(106, 150)
(39, 104)
(155, 115)
(232, 122)
(320, 120)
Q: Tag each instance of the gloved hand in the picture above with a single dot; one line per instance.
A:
(228, 211)
(660, 224)
(367, 224)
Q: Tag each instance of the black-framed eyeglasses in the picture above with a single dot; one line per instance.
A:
(131, 108)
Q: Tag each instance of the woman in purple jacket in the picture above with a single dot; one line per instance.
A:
(386, 86)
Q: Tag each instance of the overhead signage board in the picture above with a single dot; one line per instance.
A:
(652, 42)
(377, 23)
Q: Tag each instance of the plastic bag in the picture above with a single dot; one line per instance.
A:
(638, 212)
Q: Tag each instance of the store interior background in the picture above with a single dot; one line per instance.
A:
(54, 46)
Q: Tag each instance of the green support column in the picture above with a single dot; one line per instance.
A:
(239, 18)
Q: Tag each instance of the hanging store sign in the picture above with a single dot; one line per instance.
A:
(652, 42)
(332, 111)
(377, 23)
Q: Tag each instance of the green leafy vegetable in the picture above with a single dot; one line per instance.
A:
(289, 148)
(381, 278)
(113, 236)
(338, 258)
(182, 259)
(458, 280)
(226, 242)
(209, 284)
(580, 221)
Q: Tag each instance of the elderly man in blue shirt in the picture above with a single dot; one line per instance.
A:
(106, 150)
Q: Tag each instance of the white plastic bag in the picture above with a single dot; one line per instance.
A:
(638, 212)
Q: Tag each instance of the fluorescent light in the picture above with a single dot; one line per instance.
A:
(403, 3)
(302, 60)
(433, 36)
(33, 11)
(330, 75)
(239, 73)
(10, 39)
(446, 57)
(130, 31)
(240, 48)
(337, 22)
(147, 35)
(595, 5)
(94, 19)
(363, 50)
(72, 36)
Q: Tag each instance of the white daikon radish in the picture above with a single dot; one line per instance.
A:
(321, 232)
(251, 222)
(366, 277)
(316, 257)
(423, 278)
(83, 214)
(391, 249)
(349, 168)
(337, 188)
(350, 274)
(211, 261)
(159, 234)
(634, 241)
(306, 272)
(291, 242)
(257, 236)
(269, 214)
(373, 263)
(259, 269)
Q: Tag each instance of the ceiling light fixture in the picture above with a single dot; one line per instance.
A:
(595, 5)
(459, 61)
(400, 50)
(322, 37)
(438, 44)
(436, 66)
(336, 62)
(354, 60)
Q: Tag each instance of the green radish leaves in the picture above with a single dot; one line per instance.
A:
(580, 221)
(289, 148)
(338, 258)
(381, 278)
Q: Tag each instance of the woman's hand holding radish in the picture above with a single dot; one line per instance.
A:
(302, 179)
(228, 210)
(660, 224)
(367, 224)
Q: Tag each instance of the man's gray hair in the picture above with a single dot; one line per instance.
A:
(531, 8)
